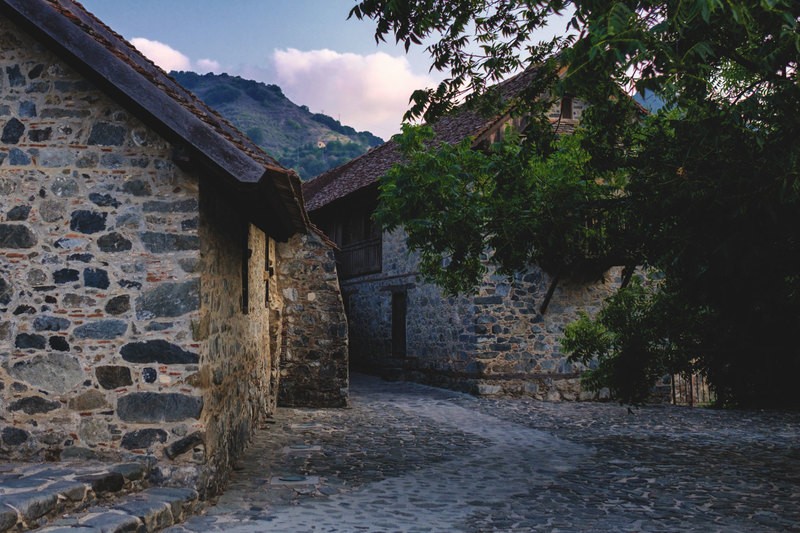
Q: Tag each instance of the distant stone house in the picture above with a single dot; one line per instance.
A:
(160, 287)
(504, 339)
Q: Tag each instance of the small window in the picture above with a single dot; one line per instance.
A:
(566, 108)
(269, 270)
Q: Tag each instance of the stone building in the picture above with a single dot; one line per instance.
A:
(502, 340)
(160, 286)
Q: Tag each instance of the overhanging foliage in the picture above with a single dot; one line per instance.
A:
(706, 191)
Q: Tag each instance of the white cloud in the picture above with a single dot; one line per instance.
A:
(367, 92)
(202, 66)
(168, 58)
(162, 54)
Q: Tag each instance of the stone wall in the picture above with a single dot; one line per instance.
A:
(434, 322)
(98, 258)
(314, 360)
(517, 349)
(122, 332)
(494, 342)
(234, 333)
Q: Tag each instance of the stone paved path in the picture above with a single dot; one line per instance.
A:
(411, 458)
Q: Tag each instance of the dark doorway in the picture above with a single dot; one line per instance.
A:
(399, 304)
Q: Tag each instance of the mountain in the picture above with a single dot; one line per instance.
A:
(310, 143)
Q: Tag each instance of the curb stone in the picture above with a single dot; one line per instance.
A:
(31, 493)
(146, 511)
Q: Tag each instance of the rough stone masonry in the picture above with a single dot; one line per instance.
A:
(129, 326)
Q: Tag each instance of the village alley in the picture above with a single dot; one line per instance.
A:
(406, 457)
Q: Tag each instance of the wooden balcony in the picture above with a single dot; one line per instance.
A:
(360, 258)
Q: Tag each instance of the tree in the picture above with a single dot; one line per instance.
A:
(705, 192)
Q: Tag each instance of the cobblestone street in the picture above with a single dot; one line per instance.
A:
(406, 457)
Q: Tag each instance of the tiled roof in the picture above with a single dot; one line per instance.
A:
(367, 169)
(253, 177)
(350, 177)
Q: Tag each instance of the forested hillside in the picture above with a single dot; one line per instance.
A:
(310, 143)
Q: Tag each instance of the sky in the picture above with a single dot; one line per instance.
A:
(307, 47)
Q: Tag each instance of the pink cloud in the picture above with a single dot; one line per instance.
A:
(367, 92)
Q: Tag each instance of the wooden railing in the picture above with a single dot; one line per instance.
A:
(360, 258)
(691, 390)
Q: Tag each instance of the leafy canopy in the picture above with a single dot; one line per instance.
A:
(455, 202)
(706, 191)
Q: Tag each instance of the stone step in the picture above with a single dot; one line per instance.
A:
(31, 494)
(149, 510)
